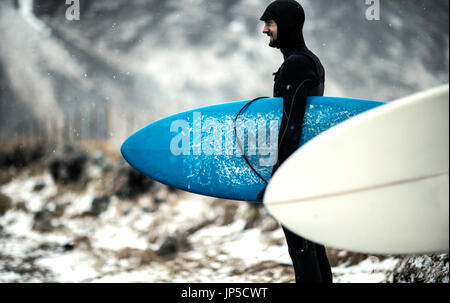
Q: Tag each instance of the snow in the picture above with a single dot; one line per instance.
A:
(120, 244)
(245, 245)
(371, 270)
(23, 191)
(116, 238)
(76, 266)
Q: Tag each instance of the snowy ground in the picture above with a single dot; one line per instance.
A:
(47, 234)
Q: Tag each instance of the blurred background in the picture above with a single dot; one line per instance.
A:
(125, 64)
(72, 91)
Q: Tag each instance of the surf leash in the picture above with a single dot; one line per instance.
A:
(239, 143)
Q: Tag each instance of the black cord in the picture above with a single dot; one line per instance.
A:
(290, 109)
(239, 143)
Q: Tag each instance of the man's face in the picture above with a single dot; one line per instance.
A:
(271, 30)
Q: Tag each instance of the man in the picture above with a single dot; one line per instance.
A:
(300, 75)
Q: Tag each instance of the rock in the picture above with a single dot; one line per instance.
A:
(98, 165)
(269, 224)
(59, 210)
(99, 205)
(5, 204)
(421, 269)
(3, 159)
(43, 221)
(43, 218)
(338, 257)
(252, 215)
(172, 189)
(193, 229)
(161, 195)
(129, 183)
(168, 247)
(21, 206)
(68, 166)
(171, 246)
(5, 177)
(228, 214)
(47, 246)
(38, 187)
(83, 242)
(142, 256)
(20, 156)
(68, 246)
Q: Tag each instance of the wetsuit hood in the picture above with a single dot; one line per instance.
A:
(290, 17)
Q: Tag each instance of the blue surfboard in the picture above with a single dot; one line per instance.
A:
(201, 150)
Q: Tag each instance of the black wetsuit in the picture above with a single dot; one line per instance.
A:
(300, 75)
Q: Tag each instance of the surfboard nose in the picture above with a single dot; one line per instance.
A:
(125, 148)
(147, 151)
(131, 149)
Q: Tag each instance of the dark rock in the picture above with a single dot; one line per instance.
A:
(193, 229)
(161, 195)
(46, 246)
(5, 177)
(101, 160)
(20, 156)
(338, 257)
(159, 199)
(171, 246)
(269, 224)
(42, 221)
(229, 213)
(129, 183)
(68, 166)
(172, 189)
(253, 215)
(38, 187)
(421, 269)
(5, 204)
(99, 205)
(168, 247)
(143, 256)
(3, 157)
(149, 209)
(22, 206)
(68, 247)
(83, 242)
(59, 210)
(43, 226)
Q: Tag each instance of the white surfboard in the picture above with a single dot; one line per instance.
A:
(377, 183)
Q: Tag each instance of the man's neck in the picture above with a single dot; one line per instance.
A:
(287, 51)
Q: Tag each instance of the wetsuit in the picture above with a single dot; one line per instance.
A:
(300, 75)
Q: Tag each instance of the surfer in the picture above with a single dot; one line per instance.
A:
(300, 75)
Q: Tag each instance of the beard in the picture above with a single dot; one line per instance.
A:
(273, 42)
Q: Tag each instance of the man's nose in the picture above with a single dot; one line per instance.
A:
(265, 29)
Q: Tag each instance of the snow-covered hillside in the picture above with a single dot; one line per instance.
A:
(82, 215)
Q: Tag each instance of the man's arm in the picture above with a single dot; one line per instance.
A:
(297, 76)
